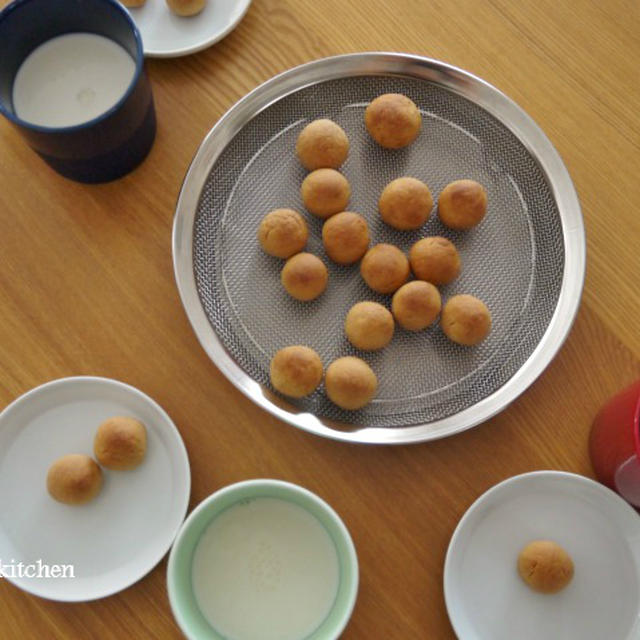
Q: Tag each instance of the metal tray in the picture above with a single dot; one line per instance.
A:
(526, 260)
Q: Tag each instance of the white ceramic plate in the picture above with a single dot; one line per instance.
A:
(166, 35)
(117, 538)
(487, 600)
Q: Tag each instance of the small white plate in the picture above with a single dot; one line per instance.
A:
(486, 598)
(167, 35)
(118, 537)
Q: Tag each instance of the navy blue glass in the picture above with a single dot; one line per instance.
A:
(115, 142)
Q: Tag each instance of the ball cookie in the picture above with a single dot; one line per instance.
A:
(120, 443)
(345, 237)
(384, 268)
(369, 326)
(74, 479)
(416, 305)
(405, 203)
(296, 371)
(435, 260)
(350, 383)
(282, 233)
(545, 566)
(465, 320)
(462, 204)
(393, 120)
(304, 276)
(325, 192)
(322, 143)
(186, 7)
(132, 4)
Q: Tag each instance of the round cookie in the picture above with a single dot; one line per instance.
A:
(465, 320)
(283, 233)
(393, 120)
(296, 371)
(350, 383)
(325, 192)
(186, 7)
(462, 204)
(416, 305)
(322, 143)
(74, 479)
(545, 566)
(405, 203)
(131, 4)
(304, 276)
(120, 443)
(369, 326)
(384, 268)
(435, 260)
(345, 237)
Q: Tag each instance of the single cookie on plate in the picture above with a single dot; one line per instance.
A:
(405, 203)
(322, 144)
(466, 320)
(369, 326)
(384, 268)
(296, 371)
(186, 8)
(120, 443)
(283, 233)
(393, 120)
(462, 204)
(435, 260)
(545, 566)
(304, 276)
(350, 383)
(74, 479)
(325, 192)
(416, 305)
(345, 237)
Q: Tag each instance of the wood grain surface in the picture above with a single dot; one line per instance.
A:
(86, 287)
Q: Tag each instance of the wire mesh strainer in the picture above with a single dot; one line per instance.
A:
(525, 261)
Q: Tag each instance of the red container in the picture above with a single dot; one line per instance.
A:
(614, 444)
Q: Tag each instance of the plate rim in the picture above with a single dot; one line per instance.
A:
(194, 48)
(469, 86)
(607, 494)
(182, 456)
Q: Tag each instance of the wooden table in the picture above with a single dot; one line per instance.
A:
(86, 287)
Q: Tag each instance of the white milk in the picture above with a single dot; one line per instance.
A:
(71, 79)
(265, 569)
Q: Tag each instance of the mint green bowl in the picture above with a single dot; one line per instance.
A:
(183, 602)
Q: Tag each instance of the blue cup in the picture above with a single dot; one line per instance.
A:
(115, 142)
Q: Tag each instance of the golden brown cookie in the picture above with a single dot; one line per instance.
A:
(322, 144)
(74, 479)
(325, 192)
(186, 8)
(132, 4)
(304, 276)
(435, 260)
(465, 320)
(120, 443)
(393, 120)
(545, 566)
(405, 203)
(350, 383)
(296, 371)
(283, 233)
(345, 237)
(462, 204)
(416, 305)
(369, 326)
(384, 268)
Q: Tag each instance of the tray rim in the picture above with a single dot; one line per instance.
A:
(454, 79)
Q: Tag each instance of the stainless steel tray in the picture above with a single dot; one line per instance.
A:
(526, 260)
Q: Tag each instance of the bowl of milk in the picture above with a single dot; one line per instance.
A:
(263, 560)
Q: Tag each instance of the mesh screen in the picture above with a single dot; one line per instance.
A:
(513, 261)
